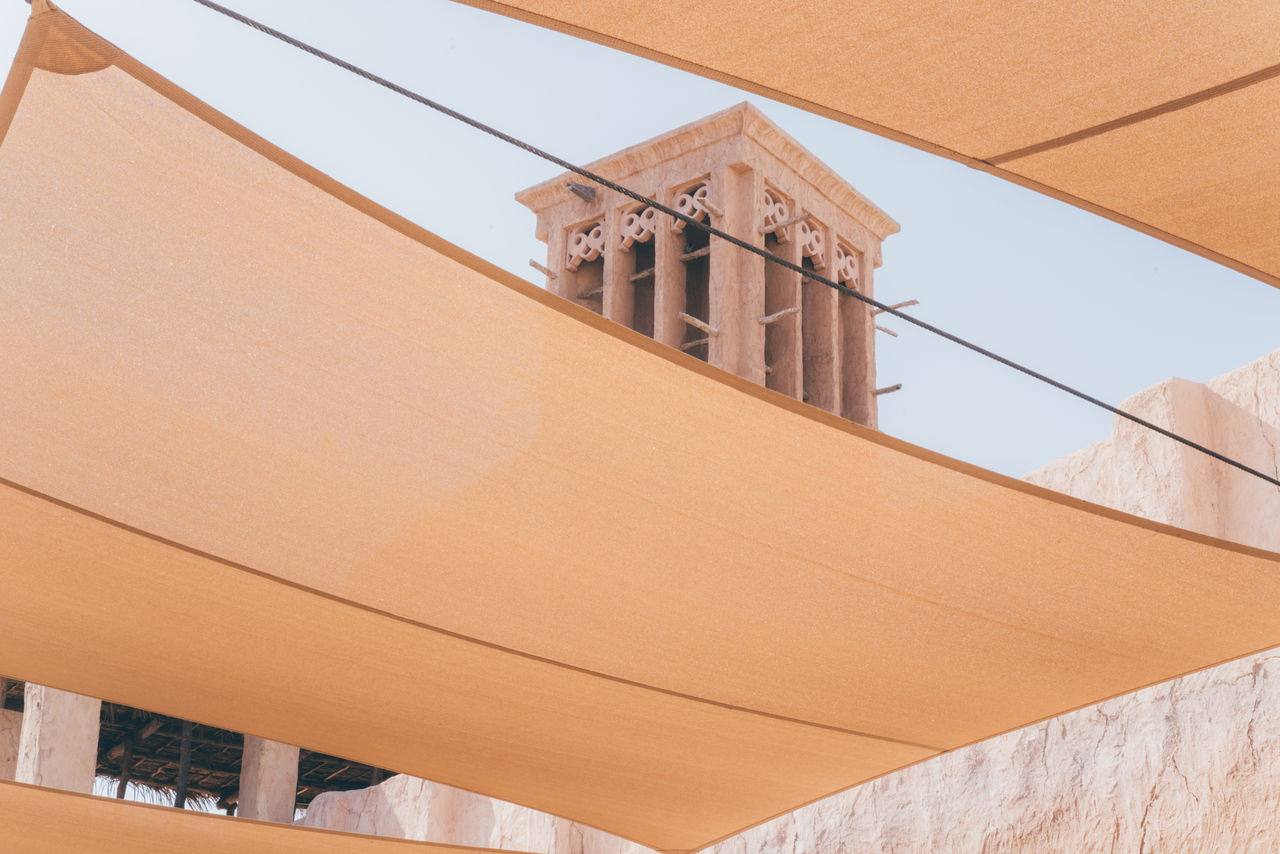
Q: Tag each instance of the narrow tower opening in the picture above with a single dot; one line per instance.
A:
(636, 270)
(780, 295)
(696, 259)
(584, 265)
(642, 287)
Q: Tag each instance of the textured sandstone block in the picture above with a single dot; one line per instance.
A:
(410, 808)
(268, 780)
(10, 733)
(59, 742)
(1183, 766)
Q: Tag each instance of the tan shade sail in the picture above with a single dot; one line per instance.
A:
(306, 669)
(1164, 116)
(445, 523)
(46, 821)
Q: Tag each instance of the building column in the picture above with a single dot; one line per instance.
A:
(557, 282)
(619, 293)
(59, 742)
(858, 349)
(668, 279)
(737, 276)
(10, 733)
(820, 327)
(268, 780)
(782, 336)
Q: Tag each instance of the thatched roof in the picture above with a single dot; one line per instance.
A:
(215, 757)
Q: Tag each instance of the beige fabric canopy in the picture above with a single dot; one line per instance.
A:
(445, 523)
(46, 821)
(1163, 116)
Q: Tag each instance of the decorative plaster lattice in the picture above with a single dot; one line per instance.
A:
(638, 227)
(585, 244)
(775, 211)
(813, 243)
(691, 204)
(847, 271)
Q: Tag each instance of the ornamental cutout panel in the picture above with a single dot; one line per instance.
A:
(691, 204)
(775, 211)
(586, 243)
(813, 243)
(847, 266)
(638, 226)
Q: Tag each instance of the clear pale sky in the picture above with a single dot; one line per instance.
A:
(1084, 300)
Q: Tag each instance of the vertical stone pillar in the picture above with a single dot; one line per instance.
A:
(59, 742)
(558, 284)
(619, 293)
(783, 337)
(10, 734)
(820, 321)
(737, 276)
(268, 780)
(668, 281)
(858, 350)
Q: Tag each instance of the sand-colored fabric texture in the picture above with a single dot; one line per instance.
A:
(37, 820)
(1163, 116)
(435, 519)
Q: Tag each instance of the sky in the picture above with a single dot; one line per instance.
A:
(1084, 300)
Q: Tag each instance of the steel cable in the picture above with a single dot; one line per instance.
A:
(729, 238)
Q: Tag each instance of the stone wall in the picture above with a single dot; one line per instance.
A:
(1187, 765)
(409, 808)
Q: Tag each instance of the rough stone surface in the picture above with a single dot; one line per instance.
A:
(268, 780)
(1254, 387)
(1187, 765)
(1141, 472)
(1183, 766)
(410, 808)
(59, 742)
(10, 733)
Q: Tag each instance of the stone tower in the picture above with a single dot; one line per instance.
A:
(741, 173)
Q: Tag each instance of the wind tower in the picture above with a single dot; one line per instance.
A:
(648, 271)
